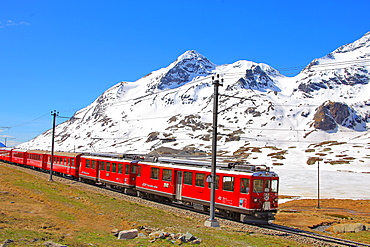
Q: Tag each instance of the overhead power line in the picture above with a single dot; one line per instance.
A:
(34, 120)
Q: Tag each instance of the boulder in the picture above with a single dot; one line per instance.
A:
(188, 237)
(357, 227)
(52, 244)
(158, 234)
(128, 234)
(7, 242)
(115, 232)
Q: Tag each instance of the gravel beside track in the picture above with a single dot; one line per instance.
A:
(225, 224)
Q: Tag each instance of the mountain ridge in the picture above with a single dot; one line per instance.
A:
(172, 107)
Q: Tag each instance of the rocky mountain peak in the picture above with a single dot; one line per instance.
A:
(190, 55)
(255, 78)
(186, 67)
(345, 66)
(361, 46)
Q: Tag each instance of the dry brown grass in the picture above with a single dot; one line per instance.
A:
(305, 214)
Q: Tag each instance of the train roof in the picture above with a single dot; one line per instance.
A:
(194, 165)
(113, 159)
(55, 153)
(218, 170)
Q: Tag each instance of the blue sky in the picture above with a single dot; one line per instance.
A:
(63, 54)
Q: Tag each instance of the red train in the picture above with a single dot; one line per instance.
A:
(242, 192)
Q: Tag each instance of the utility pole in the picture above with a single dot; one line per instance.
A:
(318, 183)
(54, 114)
(212, 222)
(7, 138)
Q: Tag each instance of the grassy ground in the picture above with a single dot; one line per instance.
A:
(34, 210)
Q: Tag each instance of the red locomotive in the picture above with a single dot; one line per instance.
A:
(243, 192)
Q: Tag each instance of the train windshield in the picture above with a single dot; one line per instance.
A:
(258, 186)
(274, 185)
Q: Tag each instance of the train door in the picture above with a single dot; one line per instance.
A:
(134, 172)
(178, 185)
(271, 194)
(99, 169)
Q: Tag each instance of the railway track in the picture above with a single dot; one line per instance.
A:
(316, 236)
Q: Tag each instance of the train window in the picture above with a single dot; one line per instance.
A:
(167, 175)
(119, 168)
(135, 169)
(199, 179)
(127, 169)
(267, 185)
(102, 164)
(73, 162)
(87, 164)
(114, 167)
(258, 186)
(217, 182)
(188, 178)
(274, 186)
(154, 174)
(65, 161)
(19, 155)
(228, 183)
(244, 185)
(107, 167)
(93, 164)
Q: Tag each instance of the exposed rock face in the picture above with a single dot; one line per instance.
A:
(331, 79)
(342, 70)
(186, 66)
(331, 114)
(255, 78)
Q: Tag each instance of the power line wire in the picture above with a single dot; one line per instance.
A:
(34, 120)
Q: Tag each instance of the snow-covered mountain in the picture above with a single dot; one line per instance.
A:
(264, 116)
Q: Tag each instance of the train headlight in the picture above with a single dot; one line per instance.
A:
(255, 200)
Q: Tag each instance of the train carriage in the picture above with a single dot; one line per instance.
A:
(65, 164)
(115, 172)
(37, 159)
(5, 154)
(19, 156)
(239, 194)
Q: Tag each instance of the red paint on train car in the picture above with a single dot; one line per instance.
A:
(5, 154)
(37, 159)
(157, 180)
(64, 163)
(115, 172)
(19, 156)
